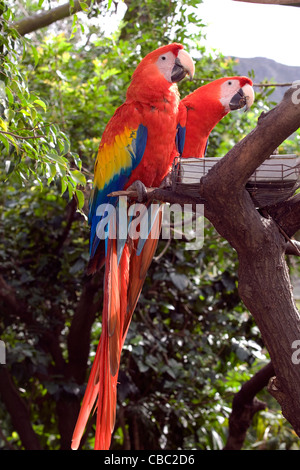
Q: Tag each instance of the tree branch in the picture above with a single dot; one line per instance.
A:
(258, 85)
(245, 405)
(293, 248)
(18, 410)
(35, 22)
(162, 195)
(272, 2)
(20, 137)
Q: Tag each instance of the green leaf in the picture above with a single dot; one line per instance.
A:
(80, 198)
(13, 142)
(109, 73)
(84, 6)
(41, 103)
(9, 95)
(9, 114)
(70, 190)
(64, 185)
(77, 159)
(3, 124)
(4, 141)
(35, 55)
(78, 177)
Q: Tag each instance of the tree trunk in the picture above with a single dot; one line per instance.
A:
(18, 410)
(264, 283)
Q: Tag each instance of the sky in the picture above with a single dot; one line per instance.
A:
(252, 30)
(246, 30)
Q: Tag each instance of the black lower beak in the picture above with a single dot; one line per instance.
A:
(178, 72)
(238, 101)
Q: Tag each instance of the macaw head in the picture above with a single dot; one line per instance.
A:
(202, 109)
(221, 96)
(236, 93)
(159, 70)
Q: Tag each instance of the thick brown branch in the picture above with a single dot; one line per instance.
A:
(162, 195)
(273, 2)
(33, 23)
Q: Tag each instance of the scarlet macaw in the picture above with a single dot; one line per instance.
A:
(136, 145)
(201, 110)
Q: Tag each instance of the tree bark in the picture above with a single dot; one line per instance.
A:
(35, 22)
(287, 215)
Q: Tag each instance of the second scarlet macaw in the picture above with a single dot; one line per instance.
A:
(136, 145)
(201, 110)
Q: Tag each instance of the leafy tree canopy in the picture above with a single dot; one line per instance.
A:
(191, 343)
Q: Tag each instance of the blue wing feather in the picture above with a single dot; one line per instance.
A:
(180, 138)
(100, 198)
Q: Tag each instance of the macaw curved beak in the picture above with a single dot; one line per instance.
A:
(184, 65)
(244, 97)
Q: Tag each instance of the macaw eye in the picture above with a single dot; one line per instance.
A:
(163, 57)
(229, 83)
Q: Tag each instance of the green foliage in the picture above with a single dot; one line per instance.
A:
(191, 344)
(32, 146)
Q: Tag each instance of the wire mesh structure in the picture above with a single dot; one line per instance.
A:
(275, 180)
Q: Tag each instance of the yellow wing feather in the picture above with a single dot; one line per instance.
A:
(113, 157)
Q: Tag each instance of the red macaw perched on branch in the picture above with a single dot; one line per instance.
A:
(201, 110)
(136, 145)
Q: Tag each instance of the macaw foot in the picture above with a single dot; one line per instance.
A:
(141, 190)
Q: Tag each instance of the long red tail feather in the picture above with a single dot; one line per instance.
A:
(123, 283)
(102, 383)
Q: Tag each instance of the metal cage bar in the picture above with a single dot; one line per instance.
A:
(273, 181)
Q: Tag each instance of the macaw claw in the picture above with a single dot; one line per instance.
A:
(141, 190)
